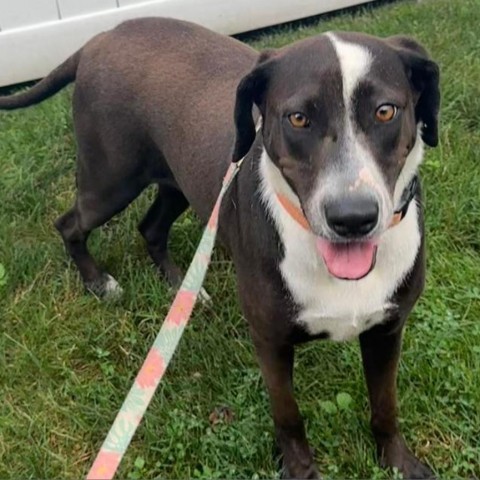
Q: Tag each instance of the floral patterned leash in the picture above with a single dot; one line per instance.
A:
(159, 356)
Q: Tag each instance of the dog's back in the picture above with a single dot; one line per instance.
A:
(136, 74)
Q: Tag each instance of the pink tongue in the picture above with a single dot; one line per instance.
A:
(350, 261)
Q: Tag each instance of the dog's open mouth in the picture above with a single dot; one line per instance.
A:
(348, 261)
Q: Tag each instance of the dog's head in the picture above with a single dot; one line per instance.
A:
(345, 117)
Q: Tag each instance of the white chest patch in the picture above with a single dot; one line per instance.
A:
(342, 308)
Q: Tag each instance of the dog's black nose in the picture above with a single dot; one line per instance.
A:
(352, 216)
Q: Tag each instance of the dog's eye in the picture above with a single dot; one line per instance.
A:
(299, 120)
(386, 112)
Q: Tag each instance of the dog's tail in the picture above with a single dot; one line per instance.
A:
(57, 79)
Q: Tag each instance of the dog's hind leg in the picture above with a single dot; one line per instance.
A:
(169, 204)
(91, 210)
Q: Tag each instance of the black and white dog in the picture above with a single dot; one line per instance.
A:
(324, 221)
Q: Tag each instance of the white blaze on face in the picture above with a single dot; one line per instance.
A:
(355, 62)
(359, 166)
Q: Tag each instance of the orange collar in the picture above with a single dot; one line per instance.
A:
(293, 211)
(297, 214)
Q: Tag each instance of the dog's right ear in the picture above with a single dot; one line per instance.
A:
(250, 91)
(424, 77)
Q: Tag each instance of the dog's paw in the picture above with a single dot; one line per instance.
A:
(295, 465)
(112, 289)
(309, 472)
(172, 273)
(418, 470)
(397, 455)
(412, 468)
(105, 287)
(204, 297)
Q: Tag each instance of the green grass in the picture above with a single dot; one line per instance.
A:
(67, 360)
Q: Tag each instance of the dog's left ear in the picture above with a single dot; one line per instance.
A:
(424, 76)
(250, 91)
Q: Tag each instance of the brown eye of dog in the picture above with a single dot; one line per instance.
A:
(299, 120)
(386, 113)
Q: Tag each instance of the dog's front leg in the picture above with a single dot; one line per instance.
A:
(276, 363)
(381, 353)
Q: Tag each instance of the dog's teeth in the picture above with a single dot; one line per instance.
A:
(112, 289)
